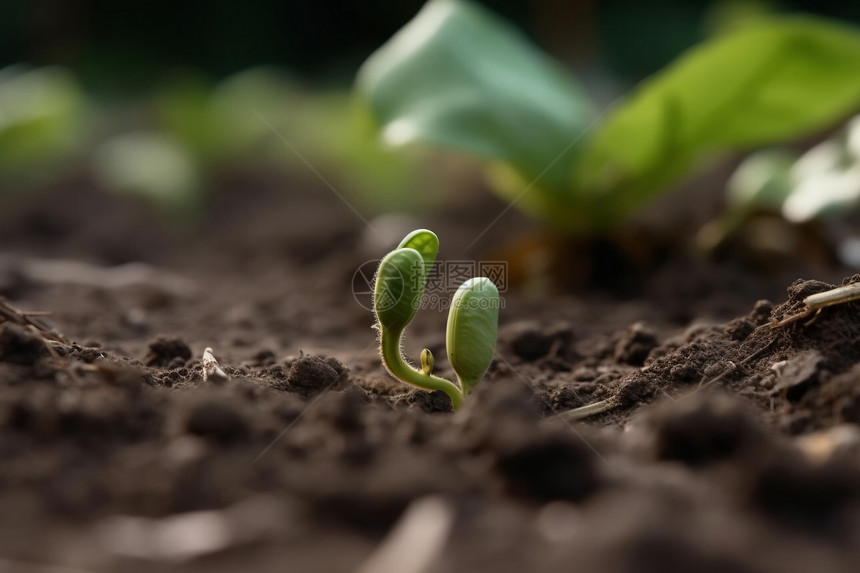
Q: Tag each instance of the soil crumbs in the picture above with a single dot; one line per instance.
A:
(733, 446)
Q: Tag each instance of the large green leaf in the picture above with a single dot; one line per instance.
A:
(459, 77)
(773, 82)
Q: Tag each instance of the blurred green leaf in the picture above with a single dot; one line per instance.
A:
(248, 117)
(183, 107)
(152, 165)
(336, 135)
(762, 84)
(825, 181)
(830, 193)
(222, 122)
(459, 77)
(41, 113)
(761, 181)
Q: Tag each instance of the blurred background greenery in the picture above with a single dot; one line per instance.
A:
(156, 98)
(121, 48)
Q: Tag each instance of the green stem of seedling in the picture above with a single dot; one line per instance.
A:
(392, 359)
(466, 384)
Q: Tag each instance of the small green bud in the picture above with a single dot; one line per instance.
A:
(425, 242)
(399, 287)
(426, 361)
(473, 322)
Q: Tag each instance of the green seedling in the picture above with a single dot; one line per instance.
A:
(472, 323)
(472, 320)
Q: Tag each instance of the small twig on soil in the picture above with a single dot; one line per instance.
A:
(817, 302)
(43, 333)
(730, 367)
(590, 410)
(758, 352)
(59, 362)
(8, 313)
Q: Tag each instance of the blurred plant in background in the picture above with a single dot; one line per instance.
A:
(460, 78)
(818, 185)
(153, 165)
(262, 117)
(43, 117)
(822, 182)
(169, 146)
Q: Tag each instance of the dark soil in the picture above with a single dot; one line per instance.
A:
(733, 446)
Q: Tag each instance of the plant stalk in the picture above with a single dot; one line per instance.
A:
(393, 361)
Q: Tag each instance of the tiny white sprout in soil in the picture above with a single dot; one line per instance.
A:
(211, 369)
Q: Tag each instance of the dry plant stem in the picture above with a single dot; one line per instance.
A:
(389, 342)
(590, 410)
(816, 302)
(61, 364)
(8, 313)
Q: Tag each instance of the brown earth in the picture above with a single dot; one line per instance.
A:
(733, 447)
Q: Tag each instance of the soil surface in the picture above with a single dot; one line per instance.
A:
(732, 446)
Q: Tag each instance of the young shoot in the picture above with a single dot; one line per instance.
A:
(472, 319)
